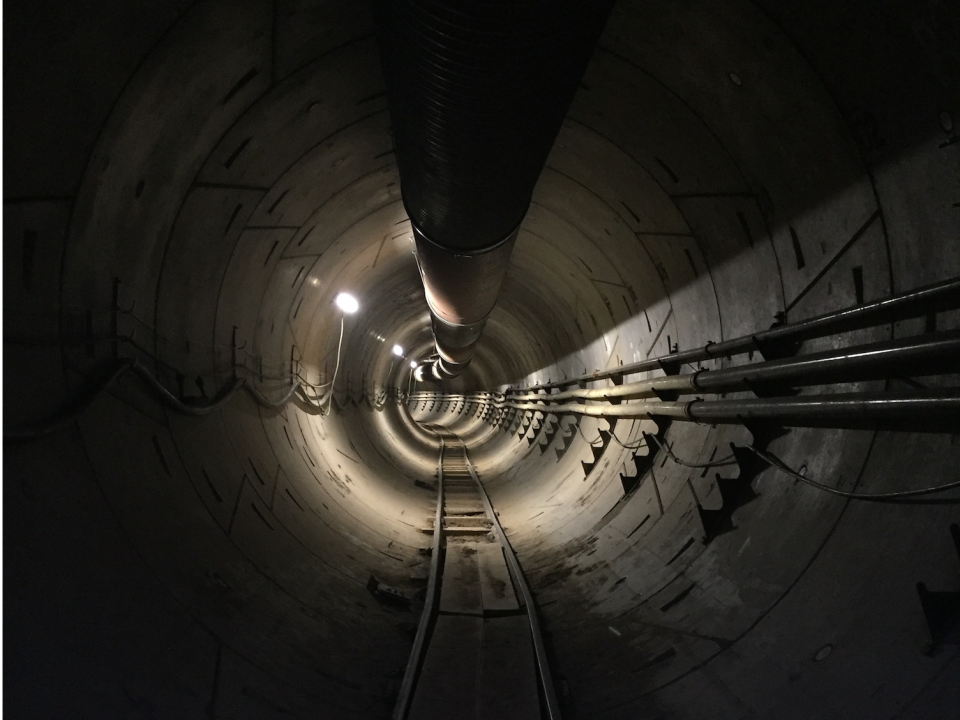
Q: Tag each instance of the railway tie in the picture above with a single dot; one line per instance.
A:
(478, 654)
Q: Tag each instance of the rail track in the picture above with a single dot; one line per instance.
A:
(478, 653)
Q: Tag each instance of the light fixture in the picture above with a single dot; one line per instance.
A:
(413, 364)
(398, 351)
(348, 303)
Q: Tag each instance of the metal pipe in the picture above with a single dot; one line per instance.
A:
(916, 303)
(926, 355)
(915, 357)
(938, 410)
(928, 410)
(645, 388)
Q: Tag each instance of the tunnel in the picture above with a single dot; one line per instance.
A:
(218, 483)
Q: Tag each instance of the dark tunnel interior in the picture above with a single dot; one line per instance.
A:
(189, 185)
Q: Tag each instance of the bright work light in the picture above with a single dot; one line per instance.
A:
(348, 303)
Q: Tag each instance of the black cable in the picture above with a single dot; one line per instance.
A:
(262, 400)
(728, 460)
(589, 442)
(72, 411)
(878, 497)
(187, 409)
(622, 444)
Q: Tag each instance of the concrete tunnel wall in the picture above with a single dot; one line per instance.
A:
(231, 164)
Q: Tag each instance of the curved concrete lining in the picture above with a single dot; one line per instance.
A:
(231, 165)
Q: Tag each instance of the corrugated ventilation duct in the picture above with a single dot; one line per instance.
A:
(477, 93)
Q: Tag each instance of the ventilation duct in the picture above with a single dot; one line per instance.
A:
(477, 93)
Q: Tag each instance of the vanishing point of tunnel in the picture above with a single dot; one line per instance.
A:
(223, 492)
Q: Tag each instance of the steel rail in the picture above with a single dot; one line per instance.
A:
(405, 696)
(543, 665)
(915, 303)
(926, 355)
